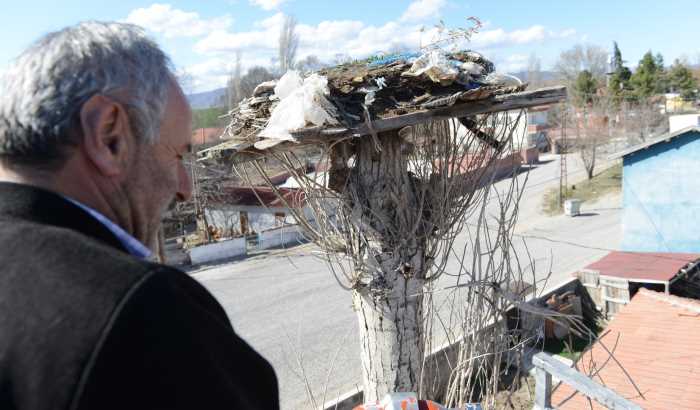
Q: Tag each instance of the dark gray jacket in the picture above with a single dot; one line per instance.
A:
(84, 325)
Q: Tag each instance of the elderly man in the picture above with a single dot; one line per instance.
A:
(93, 129)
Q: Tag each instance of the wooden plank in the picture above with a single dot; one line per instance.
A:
(615, 300)
(543, 389)
(614, 283)
(583, 384)
(507, 102)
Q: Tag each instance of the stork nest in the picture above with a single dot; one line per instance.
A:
(349, 83)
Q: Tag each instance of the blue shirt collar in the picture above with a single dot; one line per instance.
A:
(132, 245)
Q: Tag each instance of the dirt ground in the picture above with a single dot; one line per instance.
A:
(520, 399)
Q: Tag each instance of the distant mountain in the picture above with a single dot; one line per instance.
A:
(207, 99)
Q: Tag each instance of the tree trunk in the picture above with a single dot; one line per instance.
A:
(386, 202)
(391, 334)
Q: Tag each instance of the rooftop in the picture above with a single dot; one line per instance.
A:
(654, 339)
(641, 266)
(654, 141)
(257, 196)
(202, 136)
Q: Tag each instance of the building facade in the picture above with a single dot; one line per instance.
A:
(661, 194)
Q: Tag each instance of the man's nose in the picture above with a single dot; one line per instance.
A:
(184, 191)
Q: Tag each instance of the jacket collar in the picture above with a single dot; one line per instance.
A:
(29, 203)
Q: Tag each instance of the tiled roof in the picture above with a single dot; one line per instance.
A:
(655, 338)
(643, 265)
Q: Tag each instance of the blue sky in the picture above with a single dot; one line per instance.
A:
(202, 36)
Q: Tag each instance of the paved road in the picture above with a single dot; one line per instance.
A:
(288, 306)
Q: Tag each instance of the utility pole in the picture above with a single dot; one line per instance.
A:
(563, 172)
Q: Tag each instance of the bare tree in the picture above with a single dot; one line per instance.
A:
(309, 63)
(386, 214)
(253, 78)
(592, 130)
(644, 118)
(534, 71)
(185, 80)
(579, 58)
(240, 87)
(341, 58)
(233, 86)
(387, 221)
(288, 44)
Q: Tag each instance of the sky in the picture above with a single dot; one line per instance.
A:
(203, 37)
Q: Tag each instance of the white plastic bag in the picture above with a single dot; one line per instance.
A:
(504, 80)
(436, 66)
(287, 84)
(472, 68)
(301, 102)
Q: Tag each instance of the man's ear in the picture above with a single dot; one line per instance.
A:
(106, 134)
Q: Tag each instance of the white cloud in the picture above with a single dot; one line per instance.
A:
(324, 40)
(499, 37)
(355, 39)
(566, 33)
(267, 4)
(423, 9)
(214, 72)
(513, 63)
(171, 22)
(273, 22)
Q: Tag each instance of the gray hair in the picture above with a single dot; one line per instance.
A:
(42, 93)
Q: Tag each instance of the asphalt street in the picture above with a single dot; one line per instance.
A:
(288, 306)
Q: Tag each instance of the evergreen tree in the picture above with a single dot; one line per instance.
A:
(681, 80)
(646, 80)
(585, 88)
(662, 85)
(659, 60)
(619, 77)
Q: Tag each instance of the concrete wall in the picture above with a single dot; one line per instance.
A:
(226, 217)
(218, 250)
(530, 155)
(661, 197)
(537, 117)
(678, 122)
(287, 235)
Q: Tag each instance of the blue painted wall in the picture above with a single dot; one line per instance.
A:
(661, 197)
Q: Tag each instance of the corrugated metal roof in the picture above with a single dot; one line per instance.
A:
(654, 141)
(643, 265)
(655, 339)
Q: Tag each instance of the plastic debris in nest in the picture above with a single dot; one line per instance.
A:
(436, 66)
(371, 91)
(392, 58)
(301, 102)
